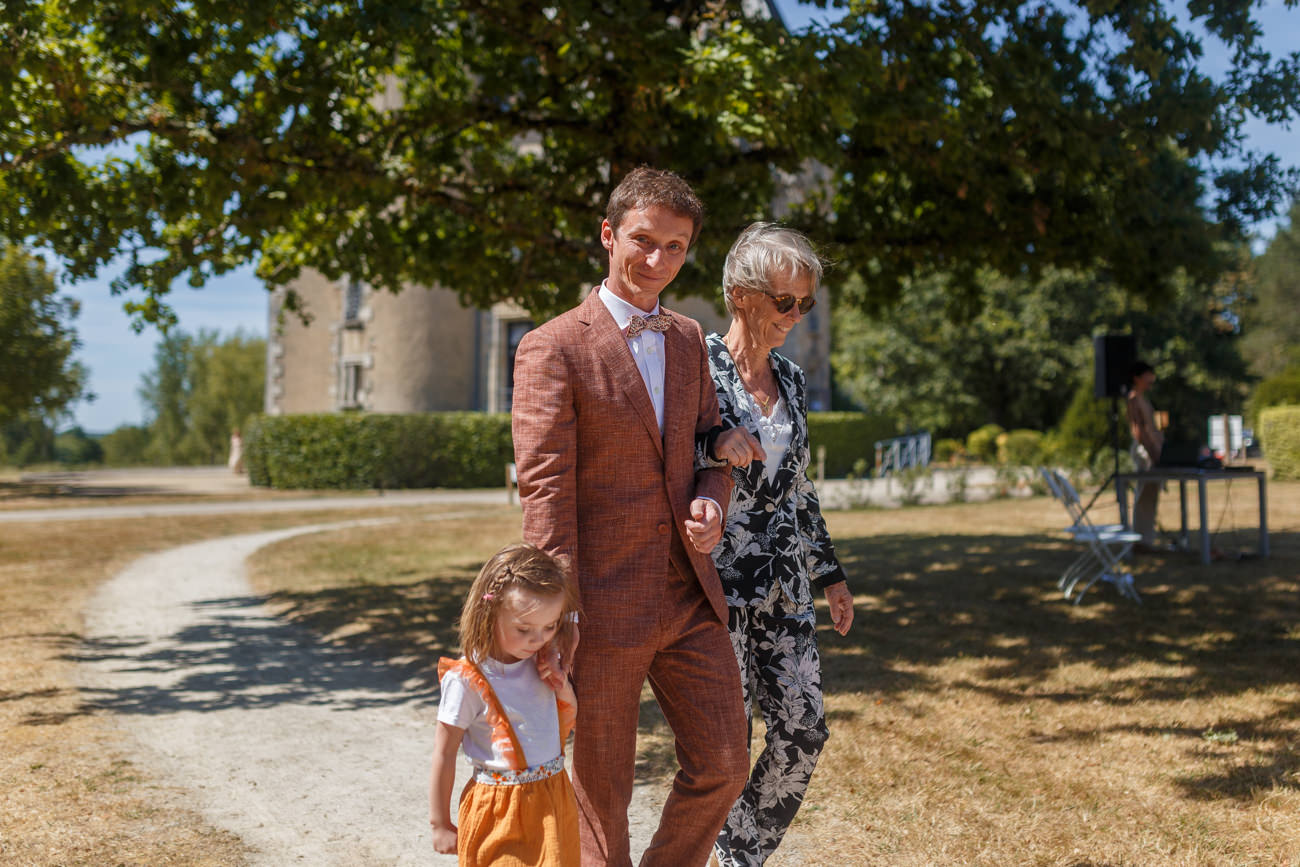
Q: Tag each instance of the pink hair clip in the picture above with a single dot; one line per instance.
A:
(487, 597)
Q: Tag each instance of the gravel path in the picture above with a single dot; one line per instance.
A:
(389, 499)
(310, 753)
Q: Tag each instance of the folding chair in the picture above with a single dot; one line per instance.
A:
(1055, 482)
(1106, 546)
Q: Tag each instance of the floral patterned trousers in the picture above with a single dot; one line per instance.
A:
(780, 668)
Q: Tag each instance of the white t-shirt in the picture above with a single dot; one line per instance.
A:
(528, 702)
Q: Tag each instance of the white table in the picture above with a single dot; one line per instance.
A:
(1183, 475)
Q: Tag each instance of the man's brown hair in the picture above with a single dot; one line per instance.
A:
(644, 187)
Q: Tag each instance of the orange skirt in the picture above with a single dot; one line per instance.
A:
(528, 825)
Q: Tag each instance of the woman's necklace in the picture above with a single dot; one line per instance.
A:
(763, 399)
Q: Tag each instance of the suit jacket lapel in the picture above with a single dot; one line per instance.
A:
(610, 346)
(678, 370)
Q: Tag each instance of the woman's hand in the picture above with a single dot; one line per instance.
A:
(840, 601)
(738, 447)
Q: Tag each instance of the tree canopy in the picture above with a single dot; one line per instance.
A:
(201, 388)
(39, 379)
(1023, 359)
(472, 143)
(1271, 321)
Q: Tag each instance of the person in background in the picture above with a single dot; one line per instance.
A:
(1147, 444)
(236, 460)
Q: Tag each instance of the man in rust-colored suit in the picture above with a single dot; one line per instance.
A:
(607, 408)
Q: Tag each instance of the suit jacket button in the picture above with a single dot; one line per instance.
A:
(662, 528)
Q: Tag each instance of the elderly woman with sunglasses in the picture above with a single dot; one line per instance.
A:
(775, 552)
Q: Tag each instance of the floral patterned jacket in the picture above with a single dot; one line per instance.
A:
(775, 534)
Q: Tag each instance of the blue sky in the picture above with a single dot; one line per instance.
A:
(117, 357)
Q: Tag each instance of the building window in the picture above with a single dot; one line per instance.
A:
(515, 332)
(354, 382)
(352, 304)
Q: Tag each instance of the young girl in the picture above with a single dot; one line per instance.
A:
(511, 707)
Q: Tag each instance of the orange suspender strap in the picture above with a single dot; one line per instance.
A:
(496, 714)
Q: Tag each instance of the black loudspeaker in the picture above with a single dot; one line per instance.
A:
(1113, 359)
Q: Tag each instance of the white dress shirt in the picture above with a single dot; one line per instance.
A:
(647, 348)
(648, 351)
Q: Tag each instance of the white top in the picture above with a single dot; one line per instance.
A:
(528, 702)
(775, 433)
(647, 348)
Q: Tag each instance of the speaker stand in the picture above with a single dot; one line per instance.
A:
(1114, 432)
(1114, 446)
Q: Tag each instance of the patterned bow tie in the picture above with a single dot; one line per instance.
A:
(655, 322)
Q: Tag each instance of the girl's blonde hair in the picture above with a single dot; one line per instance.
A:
(522, 567)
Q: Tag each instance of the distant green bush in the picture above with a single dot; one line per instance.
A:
(26, 440)
(848, 437)
(361, 451)
(982, 443)
(1083, 436)
(947, 450)
(75, 446)
(1020, 448)
(1279, 433)
(1280, 390)
(125, 446)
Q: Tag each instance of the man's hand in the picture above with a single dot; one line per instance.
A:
(738, 447)
(704, 528)
(840, 600)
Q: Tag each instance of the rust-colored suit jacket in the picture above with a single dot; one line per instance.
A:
(598, 484)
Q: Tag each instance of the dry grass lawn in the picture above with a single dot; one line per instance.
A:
(976, 717)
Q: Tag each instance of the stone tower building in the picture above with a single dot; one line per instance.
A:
(421, 351)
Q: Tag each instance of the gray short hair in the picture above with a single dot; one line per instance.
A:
(761, 252)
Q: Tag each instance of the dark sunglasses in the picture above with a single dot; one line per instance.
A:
(785, 302)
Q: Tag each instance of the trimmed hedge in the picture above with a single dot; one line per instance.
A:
(1280, 390)
(1020, 448)
(848, 438)
(948, 450)
(982, 443)
(1279, 433)
(357, 450)
(454, 449)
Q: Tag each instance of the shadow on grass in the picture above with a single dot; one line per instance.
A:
(935, 598)
(1223, 629)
